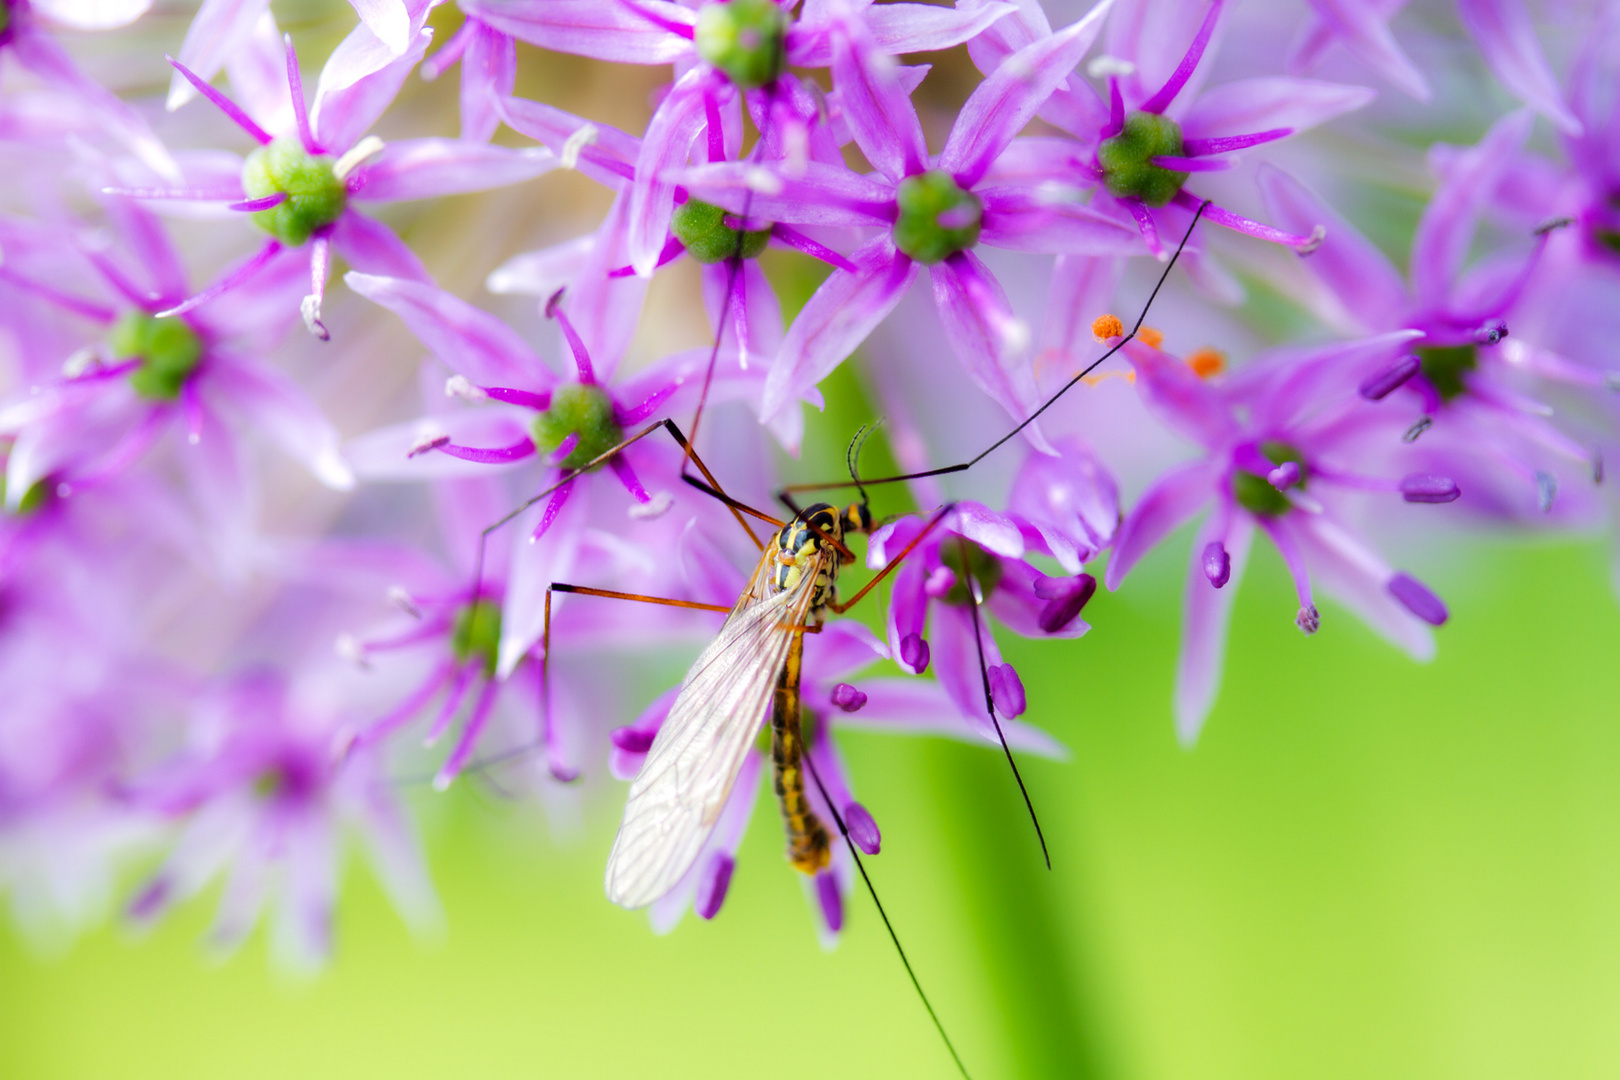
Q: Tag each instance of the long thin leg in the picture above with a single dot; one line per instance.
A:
(843, 830)
(964, 466)
(989, 700)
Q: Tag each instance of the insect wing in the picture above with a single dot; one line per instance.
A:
(677, 796)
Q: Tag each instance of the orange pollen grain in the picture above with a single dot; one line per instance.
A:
(1104, 327)
(1150, 337)
(1207, 362)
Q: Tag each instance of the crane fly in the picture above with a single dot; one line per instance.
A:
(752, 665)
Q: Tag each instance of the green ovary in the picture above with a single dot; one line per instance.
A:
(476, 634)
(745, 39)
(577, 409)
(937, 218)
(315, 199)
(985, 568)
(1255, 493)
(1447, 369)
(1127, 159)
(702, 230)
(168, 351)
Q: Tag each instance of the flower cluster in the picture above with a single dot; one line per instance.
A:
(220, 667)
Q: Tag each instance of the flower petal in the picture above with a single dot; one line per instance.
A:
(358, 83)
(837, 318)
(1505, 35)
(670, 135)
(921, 707)
(1168, 504)
(1025, 219)
(466, 339)
(612, 31)
(1265, 104)
(279, 407)
(372, 248)
(878, 110)
(1004, 103)
(385, 454)
(991, 342)
(1206, 611)
(428, 168)
(218, 29)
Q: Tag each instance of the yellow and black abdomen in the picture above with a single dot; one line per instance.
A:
(808, 848)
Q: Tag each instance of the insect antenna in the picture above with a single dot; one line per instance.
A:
(852, 457)
(964, 466)
(871, 890)
(989, 699)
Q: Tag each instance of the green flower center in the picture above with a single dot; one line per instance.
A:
(1127, 159)
(34, 498)
(168, 351)
(1256, 494)
(937, 218)
(745, 39)
(1447, 368)
(477, 634)
(702, 229)
(984, 567)
(315, 196)
(577, 409)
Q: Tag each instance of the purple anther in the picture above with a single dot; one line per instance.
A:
(1284, 476)
(914, 653)
(848, 698)
(1391, 379)
(1217, 564)
(1063, 609)
(832, 905)
(631, 740)
(712, 885)
(1007, 690)
(562, 773)
(150, 900)
(1309, 620)
(862, 829)
(939, 582)
(1423, 488)
(1416, 598)
(1491, 333)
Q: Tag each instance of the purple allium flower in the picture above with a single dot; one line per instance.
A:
(141, 375)
(722, 48)
(1065, 508)
(24, 37)
(299, 184)
(264, 801)
(1462, 369)
(528, 411)
(1139, 146)
(1502, 29)
(741, 303)
(1282, 445)
(897, 706)
(932, 211)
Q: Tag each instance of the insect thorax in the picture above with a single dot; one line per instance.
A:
(819, 528)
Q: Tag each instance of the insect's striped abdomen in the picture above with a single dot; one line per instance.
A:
(807, 837)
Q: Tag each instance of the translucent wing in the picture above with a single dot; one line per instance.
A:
(676, 797)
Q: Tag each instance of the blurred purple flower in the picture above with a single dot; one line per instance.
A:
(299, 184)
(1279, 439)
(1465, 363)
(265, 803)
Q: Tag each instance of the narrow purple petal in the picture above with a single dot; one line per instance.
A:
(795, 239)
(223, 103)
(500, 455)
(372, 248)
(217, 31)
(466, 339)
(1192, 164)
(1264, 109)
(879, 113)
(1239, 223)
(275, 198)
(1161, 100)
(603, 31)
(428, 168)
(1205, 615)
(295, 84)
(1003, 104)
(231, 280)
(1172, 499)
(1505, 35)
(670, 135)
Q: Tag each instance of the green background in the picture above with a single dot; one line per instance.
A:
(1368, 867)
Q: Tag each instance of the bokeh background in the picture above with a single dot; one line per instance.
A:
(1366, 867)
